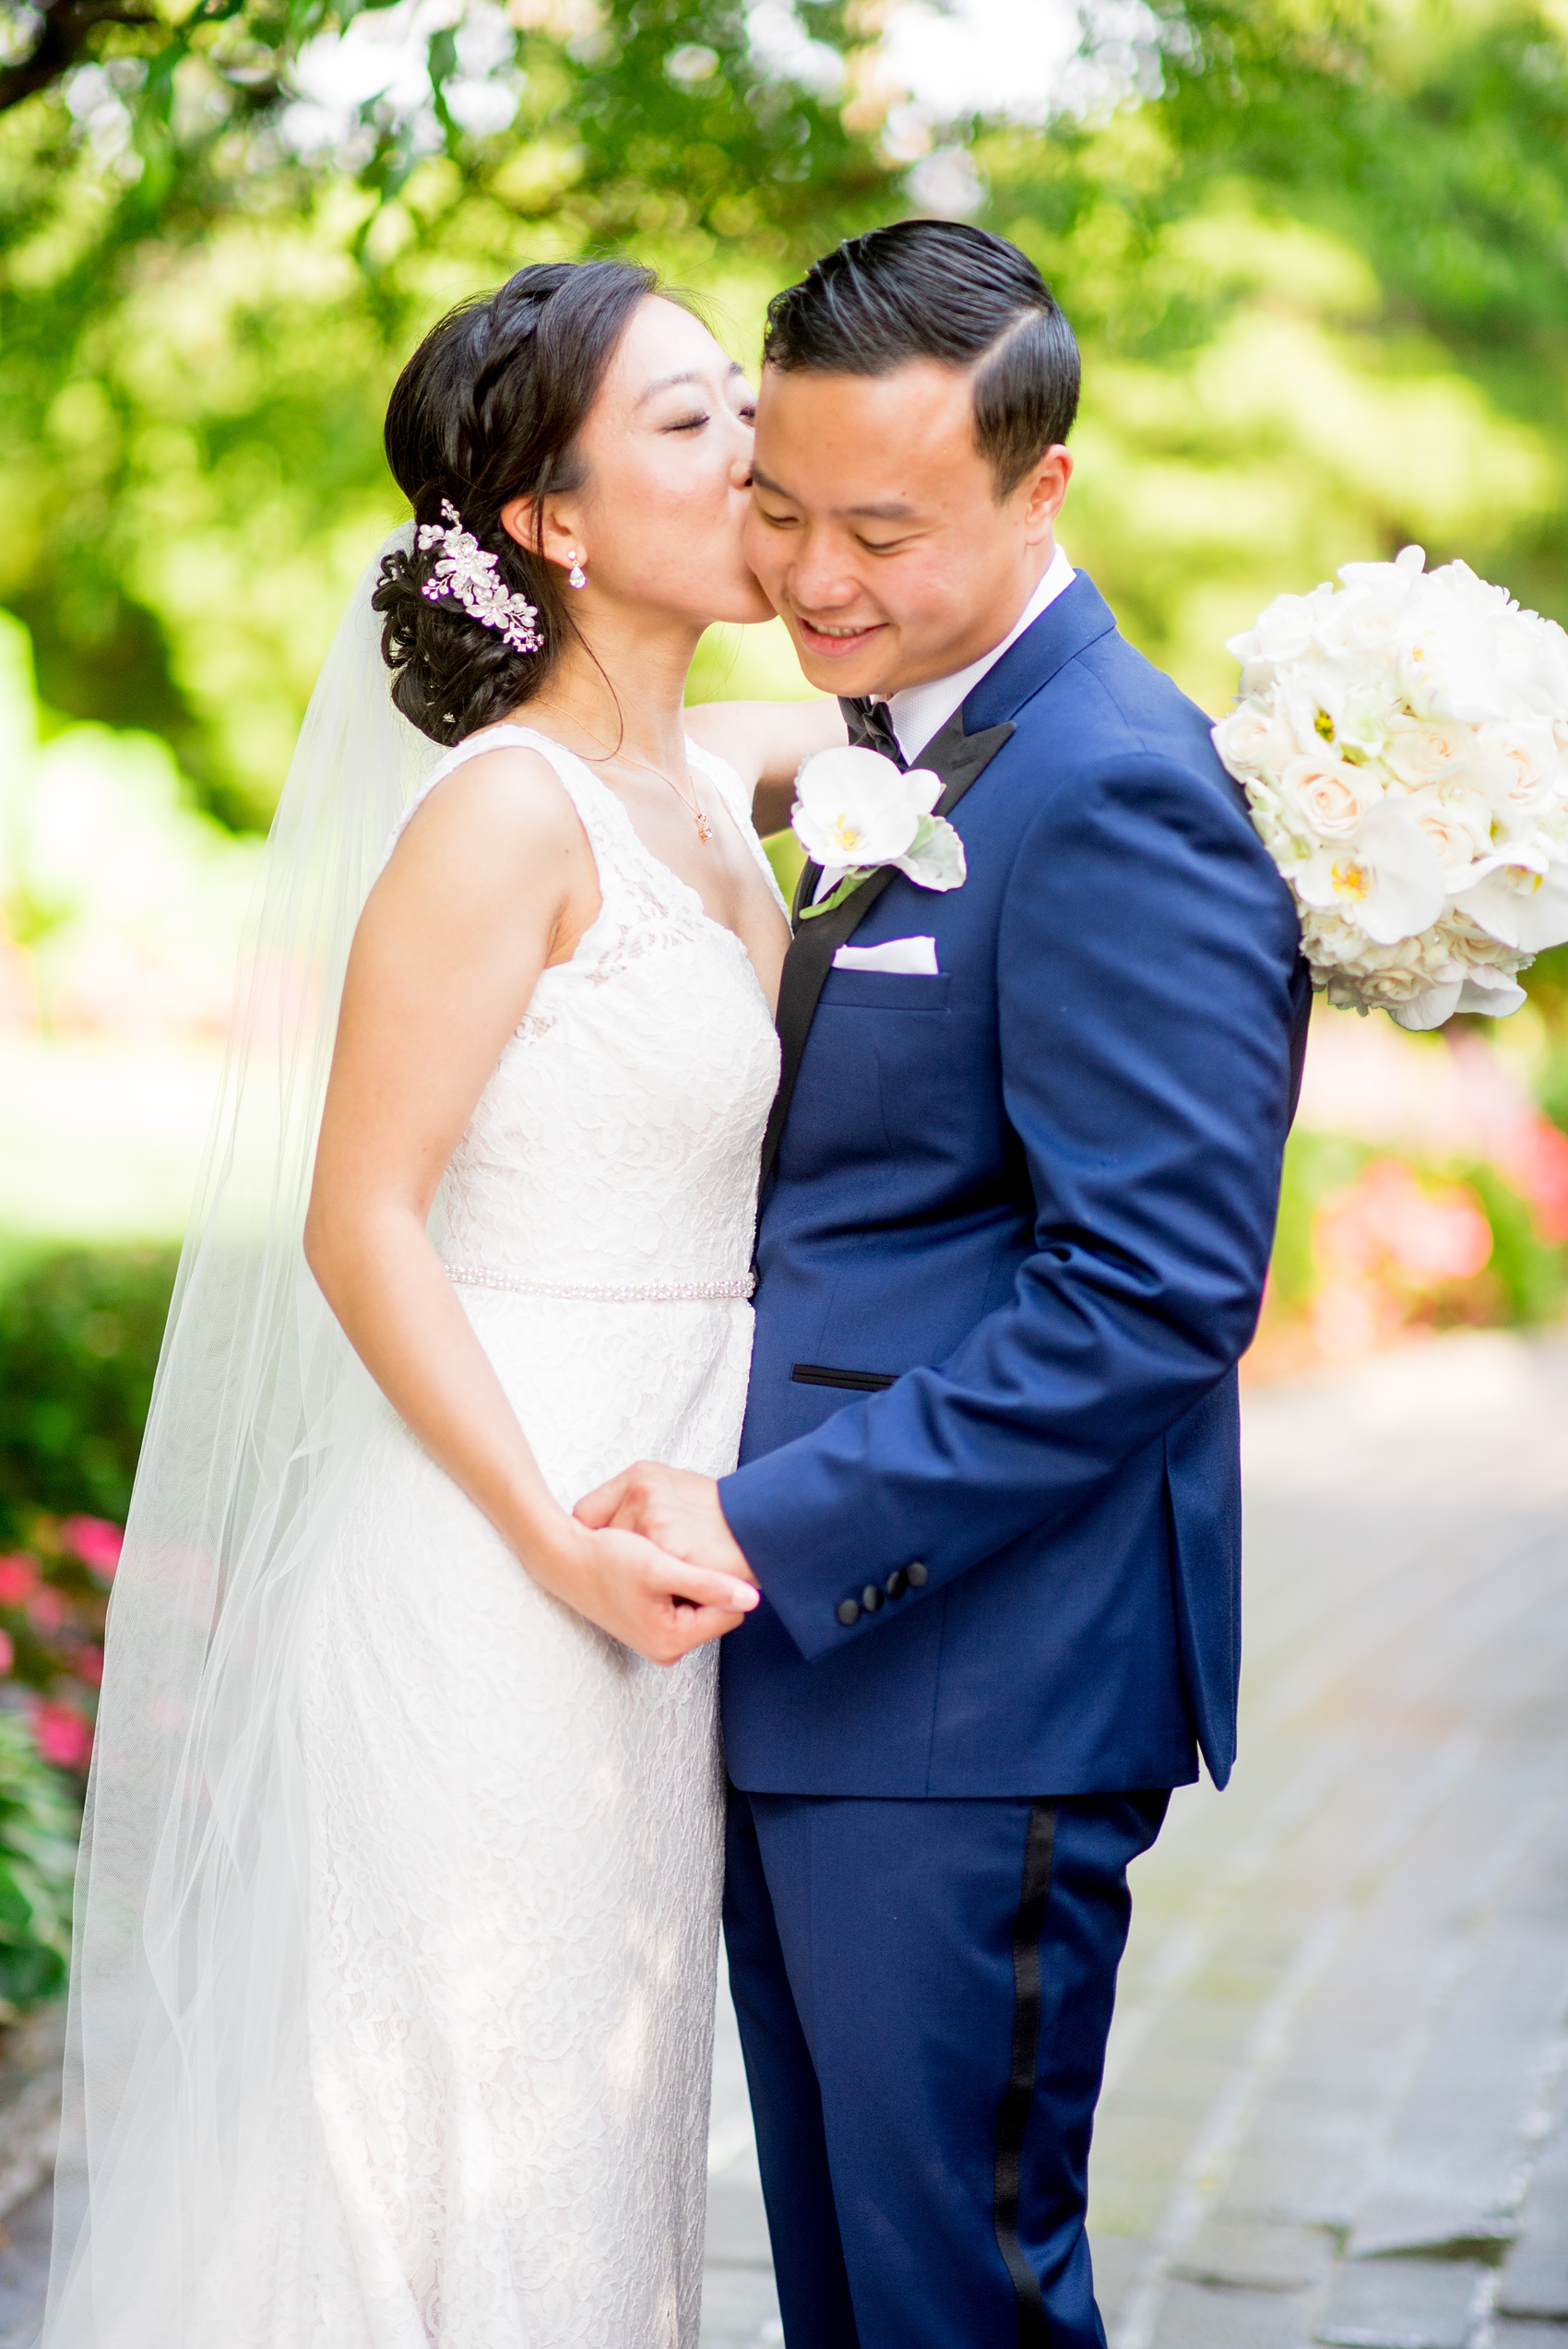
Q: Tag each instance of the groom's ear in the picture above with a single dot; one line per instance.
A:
(1040, 493)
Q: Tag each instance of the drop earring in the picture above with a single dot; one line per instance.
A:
(576, 576)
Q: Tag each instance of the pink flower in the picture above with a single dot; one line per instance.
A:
(63, 1734)
(1537, 1164)
(46, 1610)
(95, 1541)
(87, 1665)
(1388, 1221)
(18, 1580)
(8, 1652)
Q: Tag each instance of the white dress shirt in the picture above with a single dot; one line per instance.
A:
(919, 712)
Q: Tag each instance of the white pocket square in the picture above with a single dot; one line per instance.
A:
(914, 957)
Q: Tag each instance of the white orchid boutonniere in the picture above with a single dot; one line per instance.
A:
(855, 812)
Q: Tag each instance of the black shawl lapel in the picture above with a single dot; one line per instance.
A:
(958, 758)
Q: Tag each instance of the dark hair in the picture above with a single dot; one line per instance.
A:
(488, 409)
(940, 290)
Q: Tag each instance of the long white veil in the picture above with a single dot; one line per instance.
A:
(187, 2002)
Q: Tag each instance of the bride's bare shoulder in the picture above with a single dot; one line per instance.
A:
(506, 796)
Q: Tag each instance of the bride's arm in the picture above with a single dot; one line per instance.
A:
(765, 742)
(492, 880)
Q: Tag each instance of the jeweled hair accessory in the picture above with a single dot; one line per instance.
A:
(465, 570)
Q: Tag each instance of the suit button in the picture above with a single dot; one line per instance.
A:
(849, 1611)
(898, 1581)
(871, 1599)
(917, 1576)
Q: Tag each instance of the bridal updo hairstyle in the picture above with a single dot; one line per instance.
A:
(490, 407)
(940, 290)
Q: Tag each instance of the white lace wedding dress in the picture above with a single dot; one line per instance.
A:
(515, 1822)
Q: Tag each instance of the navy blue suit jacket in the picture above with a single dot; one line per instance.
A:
(1034, 1197)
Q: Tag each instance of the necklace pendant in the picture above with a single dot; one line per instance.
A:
(705, 829)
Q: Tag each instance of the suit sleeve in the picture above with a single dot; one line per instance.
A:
(1147, 961)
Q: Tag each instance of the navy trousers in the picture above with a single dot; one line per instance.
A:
(924, 1990)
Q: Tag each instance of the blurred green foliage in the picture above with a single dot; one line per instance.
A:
(1529, 1274)
(38, 1861)
(79, 1336)
(1320, 279)
(1315, 1164)
(199, 324)
(1321, 285)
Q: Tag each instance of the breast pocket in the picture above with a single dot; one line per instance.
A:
(898, 1052)
(885, 990)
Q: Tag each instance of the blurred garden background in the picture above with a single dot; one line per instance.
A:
(1316, 252)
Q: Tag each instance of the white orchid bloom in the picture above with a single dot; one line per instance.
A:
(1384, 879)
(855, 810)
(1428, 1007)
(853, 806)
(1521, 901)
(1491, 992)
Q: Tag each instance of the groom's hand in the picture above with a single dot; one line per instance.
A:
(675, 1508)
(661, 1606)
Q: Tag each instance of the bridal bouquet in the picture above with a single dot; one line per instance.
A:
(1403, 743)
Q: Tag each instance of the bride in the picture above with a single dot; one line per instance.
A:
(392, 2007)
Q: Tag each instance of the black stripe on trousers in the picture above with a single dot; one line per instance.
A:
(1013, 2119)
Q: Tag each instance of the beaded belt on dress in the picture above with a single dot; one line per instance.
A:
(629, 1292)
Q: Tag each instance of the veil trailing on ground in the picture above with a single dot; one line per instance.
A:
(188, 2014)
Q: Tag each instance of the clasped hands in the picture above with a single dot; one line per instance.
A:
(673, 1576)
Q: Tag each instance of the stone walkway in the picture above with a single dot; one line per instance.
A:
(1332, 2105)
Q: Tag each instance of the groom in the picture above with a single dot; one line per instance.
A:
(1019, 1194)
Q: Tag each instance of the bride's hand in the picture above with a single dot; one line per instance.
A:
(641, 1595)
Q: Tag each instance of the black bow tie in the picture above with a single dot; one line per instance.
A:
(870, 728)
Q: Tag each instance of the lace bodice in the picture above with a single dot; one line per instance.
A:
(641, 1074)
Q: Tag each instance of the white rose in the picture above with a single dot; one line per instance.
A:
(1280, 636)
(854, 807)
(1420, 752)
(1251, 739)
(1346, 957)
(1462, 802)
(1452, 839)
(1327, 796)
(1460, 655)
(1363, 618)
(1549, 648)
(1520, 768)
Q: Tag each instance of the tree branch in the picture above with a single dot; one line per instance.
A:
(66, 27)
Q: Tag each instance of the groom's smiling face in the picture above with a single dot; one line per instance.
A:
(876, 528)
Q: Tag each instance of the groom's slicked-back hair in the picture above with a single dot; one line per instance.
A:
(940, 290)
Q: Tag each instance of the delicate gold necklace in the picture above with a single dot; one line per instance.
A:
(693, 806)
